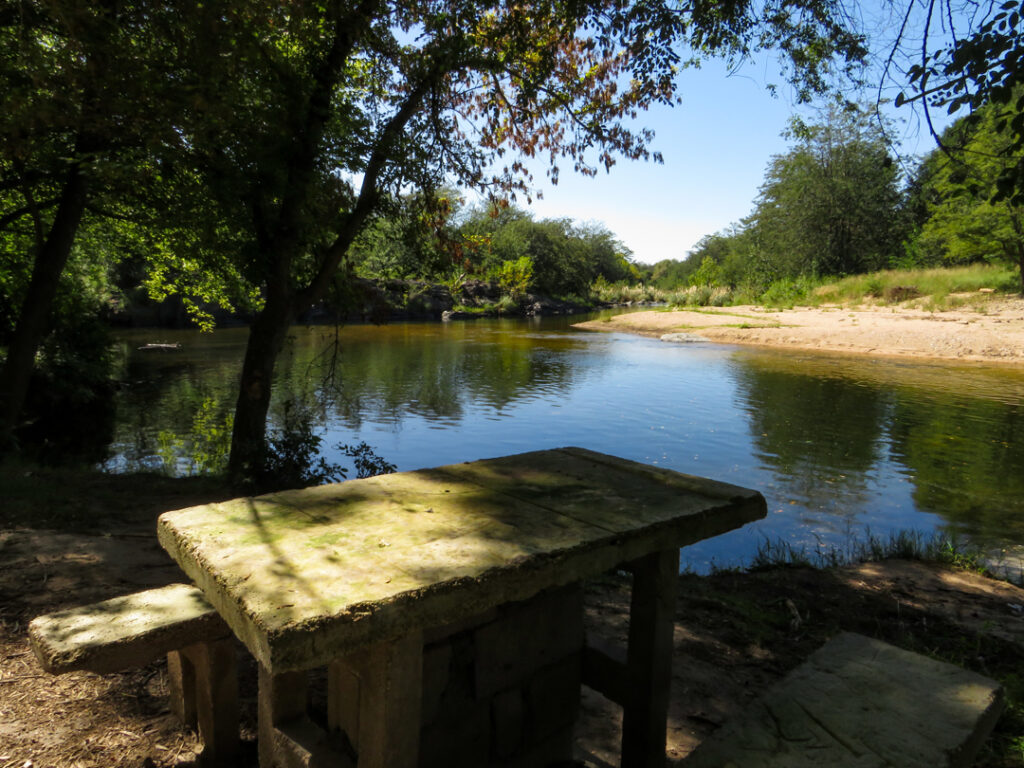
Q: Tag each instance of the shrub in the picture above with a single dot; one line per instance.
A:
(292, 458)
(721, 297)
(516, 276)
(709, 273)
(698, 295)
(787, 292)
(367, 462)
(68, 413)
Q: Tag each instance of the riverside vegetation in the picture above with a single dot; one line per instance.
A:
(835, 223)
(931, 288)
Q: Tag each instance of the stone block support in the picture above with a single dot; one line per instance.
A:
(203, 683)
(649, 659)
(375, 696)
(216, 691)
(282, 700)
(181, 685)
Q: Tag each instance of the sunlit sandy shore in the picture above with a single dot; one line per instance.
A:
(986, 330)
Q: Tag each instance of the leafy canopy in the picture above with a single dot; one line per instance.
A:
(828, 206)
(966, 221)
(982, 64)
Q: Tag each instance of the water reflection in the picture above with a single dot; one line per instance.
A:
(837, 445)
(351, 376)
(819, 435)
(435, 372)
(859, 432)
(966, 456)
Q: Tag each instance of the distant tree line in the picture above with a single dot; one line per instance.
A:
(835, 204)
(437, 238)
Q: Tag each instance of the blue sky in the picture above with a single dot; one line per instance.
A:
(716, 146)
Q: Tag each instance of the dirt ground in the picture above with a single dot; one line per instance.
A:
(991, 330)
(735, 635)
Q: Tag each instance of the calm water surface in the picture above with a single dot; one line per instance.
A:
(839, 446)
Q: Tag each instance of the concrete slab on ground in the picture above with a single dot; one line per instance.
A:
(861, 702)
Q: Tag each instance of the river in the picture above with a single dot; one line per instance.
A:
(841, 447)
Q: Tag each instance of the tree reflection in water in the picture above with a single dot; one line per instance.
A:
(835, 443)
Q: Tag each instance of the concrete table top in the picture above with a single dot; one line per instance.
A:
(305, 576)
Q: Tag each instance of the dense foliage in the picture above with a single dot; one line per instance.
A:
(979, 71)
(830, 205)
(437, 239)
(964, 218)
(834, 205)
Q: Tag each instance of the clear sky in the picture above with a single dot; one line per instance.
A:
(716, 146)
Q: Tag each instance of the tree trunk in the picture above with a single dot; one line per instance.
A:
(266, 339)
(1017, 248)
(1020, 266)
(38, 303)
(283, 240)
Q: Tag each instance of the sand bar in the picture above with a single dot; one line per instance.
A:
(989, 330)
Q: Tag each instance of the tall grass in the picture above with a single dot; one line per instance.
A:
(907, 545)
(923, 285)
(619, 293)
(702, 296)
(933, 289)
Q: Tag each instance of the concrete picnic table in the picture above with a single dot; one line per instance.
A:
(360, 577)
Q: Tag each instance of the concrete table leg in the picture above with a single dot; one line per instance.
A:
(649, 659)
(211, 670)
(181, 683)
(282, 698)
(375, 696)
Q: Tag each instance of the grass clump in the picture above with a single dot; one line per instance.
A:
(788, 293)
(506, 304)
(906, 545)
(620, 293)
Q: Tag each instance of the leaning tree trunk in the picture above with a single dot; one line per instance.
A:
(267, 335)
(38, 303)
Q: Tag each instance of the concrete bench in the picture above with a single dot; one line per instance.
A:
(864, 703)
(132, 631)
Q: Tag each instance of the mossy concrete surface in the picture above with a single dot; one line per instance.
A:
(305, 576)
(124, 632)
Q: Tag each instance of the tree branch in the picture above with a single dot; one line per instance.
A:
(9, 218)
(368, 191)
(347, 32)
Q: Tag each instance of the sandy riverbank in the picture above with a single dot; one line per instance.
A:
(989, 330)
